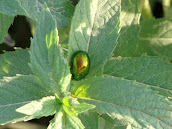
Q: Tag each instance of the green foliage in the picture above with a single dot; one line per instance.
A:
(44, 107)
(107, 122)
(93, 25)
(89, 120)
(123, 99)
(146, 70)
(117, 93)
(62, 10)
(12, 63)
(65, 121)
(17, 91)
(47, 62)
(128, 39)
(5, 21)
(155, 38)
(73, 107)
(167, 8)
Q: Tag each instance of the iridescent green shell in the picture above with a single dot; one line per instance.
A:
(80, 64)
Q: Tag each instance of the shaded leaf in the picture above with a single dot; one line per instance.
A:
(12, 63)
(108, 123)
(155, 38)
(92, 120)
(129, 34)
(89, 119)
(5, 21)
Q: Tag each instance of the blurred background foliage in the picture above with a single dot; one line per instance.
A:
(155, 37)
(155, 9)
(22, 29)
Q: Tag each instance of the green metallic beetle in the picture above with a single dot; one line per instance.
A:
(80, 65)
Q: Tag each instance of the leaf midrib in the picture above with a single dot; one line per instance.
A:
(99, 101)
(18, 103)
(92, 26)
(166, 39)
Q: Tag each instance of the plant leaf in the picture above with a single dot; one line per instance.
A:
(17, 91)
(5, 24)
(92, 120)
(47, 61)
(44, 107)
(73, 107)
(105, 122)
(89, 119)
(129, 34)
(124, 99)
(62, 10)
(155, 38)
(95, 30)
(12, 63)
(65, 121)
(146, 70)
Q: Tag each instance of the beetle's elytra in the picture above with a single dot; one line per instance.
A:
(79, 65)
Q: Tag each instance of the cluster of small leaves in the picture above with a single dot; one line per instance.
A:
(130, 92)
